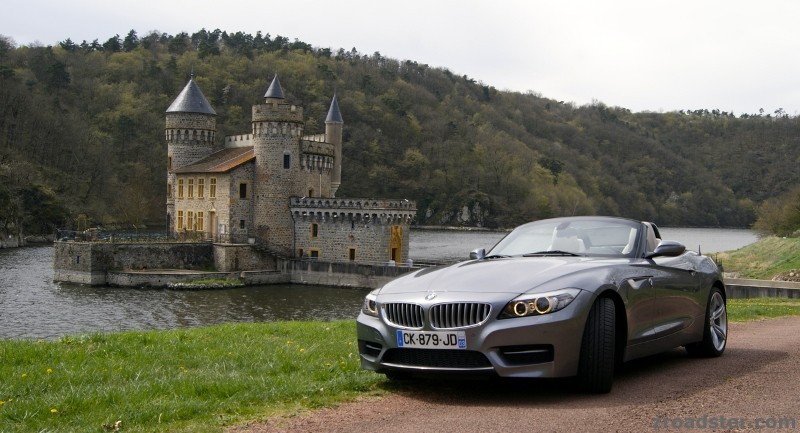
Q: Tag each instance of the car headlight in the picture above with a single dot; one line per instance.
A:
(536, 304)
(370, 306)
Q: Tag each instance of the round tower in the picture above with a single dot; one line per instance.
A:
(277, 129)
(191, 128)
(333, 135)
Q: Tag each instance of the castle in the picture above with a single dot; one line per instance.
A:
(274, 187)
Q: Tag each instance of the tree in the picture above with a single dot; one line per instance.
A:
(131, 41)
(42, 211)
(113, 44)
(780, 216)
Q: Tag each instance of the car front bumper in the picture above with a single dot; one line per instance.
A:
(537, 346)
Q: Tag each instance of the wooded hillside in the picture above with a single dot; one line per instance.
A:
(81, 137)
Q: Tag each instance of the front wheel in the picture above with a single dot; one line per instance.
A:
(715, 329)
(596, 365)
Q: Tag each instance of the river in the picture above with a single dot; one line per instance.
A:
(32, 306)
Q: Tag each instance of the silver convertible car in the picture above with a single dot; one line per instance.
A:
(560, 297)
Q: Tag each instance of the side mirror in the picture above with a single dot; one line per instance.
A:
(477, 254)
(667, 249)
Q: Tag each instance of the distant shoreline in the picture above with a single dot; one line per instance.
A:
(459, 229)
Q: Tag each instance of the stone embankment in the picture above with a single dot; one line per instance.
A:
(744, 288)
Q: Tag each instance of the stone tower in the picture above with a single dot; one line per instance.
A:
(191, 128)
(277, 128)
(333, 135)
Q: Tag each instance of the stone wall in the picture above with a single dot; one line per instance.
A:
(330, 228)
(744, 288)
(230, 258)
(89, 262)
(239, 209)
(159, 264)
(10, 240)
(343, 274)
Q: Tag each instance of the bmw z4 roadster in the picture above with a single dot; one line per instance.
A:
(560, 297)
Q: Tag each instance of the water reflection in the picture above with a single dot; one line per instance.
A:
(32, 306)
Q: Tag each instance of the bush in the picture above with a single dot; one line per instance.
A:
(780, 216)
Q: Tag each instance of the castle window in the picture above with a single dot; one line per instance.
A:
(300, 252)
(180, 188)
(287, 161)
(169, 190)
(200, 223)
(190, 220)
(314, 254)
(179, 221)
(351, 254)
(242, 190)
(201, 186)
(212, 187)
(190, 188)
(169, 163)
(241, 224)
(314, 230)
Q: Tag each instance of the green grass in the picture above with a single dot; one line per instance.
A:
(207, 283)
(764, 259)
(202, 379)
(196, 380)
(744, 310)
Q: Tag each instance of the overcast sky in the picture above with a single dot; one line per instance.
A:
(644, 55)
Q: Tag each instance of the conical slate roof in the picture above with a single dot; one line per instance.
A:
(334, 115)
(275, 91)
(191, 100)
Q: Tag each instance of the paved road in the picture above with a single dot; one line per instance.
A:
(756, 383)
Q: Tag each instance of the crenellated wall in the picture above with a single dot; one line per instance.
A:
(372, 231)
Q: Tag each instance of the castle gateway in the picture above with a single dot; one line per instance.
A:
(274, 187)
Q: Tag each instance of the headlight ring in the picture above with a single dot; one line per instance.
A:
(539, 304)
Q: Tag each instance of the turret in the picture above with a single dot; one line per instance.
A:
(277, 128)
(333, 135)
(191, 128)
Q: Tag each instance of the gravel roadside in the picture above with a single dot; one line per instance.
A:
(756, 383)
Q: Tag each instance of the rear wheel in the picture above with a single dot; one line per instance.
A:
(596, 366)
(715, 329)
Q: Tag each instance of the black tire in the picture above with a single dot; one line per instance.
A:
(715, 328)
(596, 365)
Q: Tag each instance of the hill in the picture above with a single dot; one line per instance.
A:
(81, 137)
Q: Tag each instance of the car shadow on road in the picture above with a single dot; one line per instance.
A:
(670, 374)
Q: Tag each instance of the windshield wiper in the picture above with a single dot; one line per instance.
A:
(551, 253)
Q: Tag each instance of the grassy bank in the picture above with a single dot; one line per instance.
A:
(196, 380)
(763, 260)
(202, 379)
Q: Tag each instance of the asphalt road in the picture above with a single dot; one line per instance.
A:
(754, 386)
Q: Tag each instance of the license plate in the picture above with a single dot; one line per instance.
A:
(432, 340)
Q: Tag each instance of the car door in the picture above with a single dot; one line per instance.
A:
(637, 285)
(676, 288)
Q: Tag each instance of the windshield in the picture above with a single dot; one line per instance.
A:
(583, 236)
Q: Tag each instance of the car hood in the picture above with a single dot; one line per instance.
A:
(505, 275)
